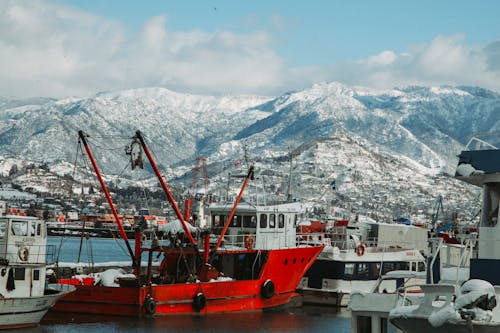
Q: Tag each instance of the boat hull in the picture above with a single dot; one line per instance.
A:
(321, 297)
(284, 267)
(28, 311)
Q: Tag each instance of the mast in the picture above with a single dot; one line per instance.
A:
(108, 197)
(250, 176)
(289, 191)
(165, 188)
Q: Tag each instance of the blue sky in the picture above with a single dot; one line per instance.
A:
(321, 31)
(79, 47)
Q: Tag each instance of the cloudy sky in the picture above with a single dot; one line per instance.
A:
(59, 48)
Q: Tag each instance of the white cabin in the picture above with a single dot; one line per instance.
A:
(271, 227)
(23, 253)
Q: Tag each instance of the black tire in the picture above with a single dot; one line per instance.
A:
(267, 289)
(199, 302)
(150, 305)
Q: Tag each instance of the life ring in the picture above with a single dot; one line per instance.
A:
(267, 289)
(360, 250)
(23, 253)
(249, 242)
(199, 301)
(150, 305)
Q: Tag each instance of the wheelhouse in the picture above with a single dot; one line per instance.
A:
(259, 227)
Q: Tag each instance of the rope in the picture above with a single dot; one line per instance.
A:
(120, 245)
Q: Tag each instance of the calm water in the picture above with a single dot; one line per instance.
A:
(304, 319)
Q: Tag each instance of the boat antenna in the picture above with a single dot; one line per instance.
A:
(83, 139)
(289, 191)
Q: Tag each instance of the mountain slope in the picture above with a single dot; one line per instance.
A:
(400, 141)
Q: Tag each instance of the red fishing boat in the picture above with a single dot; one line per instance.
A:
(247, 260)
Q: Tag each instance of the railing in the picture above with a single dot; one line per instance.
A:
(271, 240)
(313, 238)
(480, 144)
(346, 243)
(29, 254)
(240, 240)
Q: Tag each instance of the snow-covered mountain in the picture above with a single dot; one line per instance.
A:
(417, 129)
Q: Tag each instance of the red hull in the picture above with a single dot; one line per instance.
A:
(284, 267)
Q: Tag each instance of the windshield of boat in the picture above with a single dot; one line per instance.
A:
(23, 228)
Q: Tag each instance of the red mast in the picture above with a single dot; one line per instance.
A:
(165, 188)
(108, 197)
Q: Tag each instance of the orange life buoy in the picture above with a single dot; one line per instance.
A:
(249, 242)
(360, 250)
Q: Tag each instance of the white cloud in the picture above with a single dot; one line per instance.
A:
(47, 49)
(444, 60)
(383, 58)
(52, 50)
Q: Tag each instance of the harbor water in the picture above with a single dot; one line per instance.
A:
(96, 250)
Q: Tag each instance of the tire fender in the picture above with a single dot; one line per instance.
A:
(267, 289)
(199, 302)
(150, 305)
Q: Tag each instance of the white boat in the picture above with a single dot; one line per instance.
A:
(370, 311)
(24, 295)
(354, 261)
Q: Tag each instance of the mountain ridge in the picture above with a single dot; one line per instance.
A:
(421, 129)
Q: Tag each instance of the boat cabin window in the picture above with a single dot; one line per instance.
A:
(421, 267)
(263, 221)
(236, 221)
(395, 266)
(19, 273)
(375, 269)
(19, 228)
(36, 275)
(249, 221)
(348, 270)
(362, 270)
(3, 227)
(281, 221)
(32, 228)
(245, 221)
(272, 221)
(39, 229)
(218, 220)
(295, 221)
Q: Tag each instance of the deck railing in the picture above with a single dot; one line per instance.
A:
(29, 255)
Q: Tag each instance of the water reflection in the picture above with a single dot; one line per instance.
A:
(305, 319)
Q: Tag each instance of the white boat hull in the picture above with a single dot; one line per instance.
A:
(28, 311)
